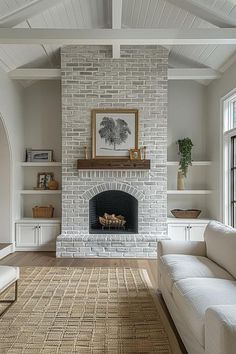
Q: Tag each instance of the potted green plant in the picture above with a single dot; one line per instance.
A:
(185, 152)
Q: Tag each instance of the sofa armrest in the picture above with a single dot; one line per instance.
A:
(220, 329)
(195, 248)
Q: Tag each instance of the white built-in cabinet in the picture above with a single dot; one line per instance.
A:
(187, 230)
(32, 233)
(38, 234)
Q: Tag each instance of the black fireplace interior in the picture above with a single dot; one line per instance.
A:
(113, 202)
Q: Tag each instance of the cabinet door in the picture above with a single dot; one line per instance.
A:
(48, 234)
(196, 232)
(26, 235)
(178, 232)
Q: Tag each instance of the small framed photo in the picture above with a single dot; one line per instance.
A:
(43, 179)
(114, 132)
(41, 155)
(135, 154)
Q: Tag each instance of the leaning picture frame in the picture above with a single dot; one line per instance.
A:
(43, 179)
(43, 155)
(114, 132)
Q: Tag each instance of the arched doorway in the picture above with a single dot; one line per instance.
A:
(5, 186)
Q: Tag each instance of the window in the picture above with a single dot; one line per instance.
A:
(229, 160)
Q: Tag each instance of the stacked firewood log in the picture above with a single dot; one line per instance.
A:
(112, 220)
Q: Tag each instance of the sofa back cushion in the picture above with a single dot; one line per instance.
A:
(221, 245)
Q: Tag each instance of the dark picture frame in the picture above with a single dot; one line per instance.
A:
(42, 155)
(43, 179)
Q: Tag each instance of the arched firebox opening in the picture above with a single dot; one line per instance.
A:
(113, 212)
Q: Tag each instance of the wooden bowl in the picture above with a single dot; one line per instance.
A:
(186, 214)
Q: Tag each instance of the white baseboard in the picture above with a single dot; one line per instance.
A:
(35, 249)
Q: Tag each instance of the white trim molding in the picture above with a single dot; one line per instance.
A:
(226, 132)
(192, 74)
(118, 36)
(35, 74)
(173, 73)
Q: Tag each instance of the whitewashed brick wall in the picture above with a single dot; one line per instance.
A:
(92, 79)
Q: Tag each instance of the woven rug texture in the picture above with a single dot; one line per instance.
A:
(64, 310)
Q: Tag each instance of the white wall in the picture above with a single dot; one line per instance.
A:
(43, 116)
(216, 90)
(187, 117)
(11, 109)
(5, 193)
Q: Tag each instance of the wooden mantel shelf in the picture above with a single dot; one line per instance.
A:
(115, 164)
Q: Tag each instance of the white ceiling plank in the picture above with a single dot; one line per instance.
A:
(209, 14)
(116, 24)
(228, 63)
(120, 36)
(35, 74)
(30, 9)
(192, 74)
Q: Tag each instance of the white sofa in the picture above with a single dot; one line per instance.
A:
(198, 283)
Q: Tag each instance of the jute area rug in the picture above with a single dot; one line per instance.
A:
(83, 310)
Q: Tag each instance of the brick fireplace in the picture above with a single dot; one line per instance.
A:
(92, 79)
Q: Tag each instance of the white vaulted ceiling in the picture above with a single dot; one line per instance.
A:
(9, 6)
(92, 14)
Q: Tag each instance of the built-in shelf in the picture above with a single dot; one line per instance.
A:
(172, 220)
(189, 191)
(113, 164)
(40, 164)
(39, 220)
(46, 191)
(194, 163)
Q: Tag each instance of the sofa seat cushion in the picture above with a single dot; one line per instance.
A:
(175, 267)
(8, 275)
(193, 296)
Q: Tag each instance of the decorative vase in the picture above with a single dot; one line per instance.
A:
(180, 181)
(53, 185)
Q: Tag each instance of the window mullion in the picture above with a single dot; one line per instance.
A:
(232, 184)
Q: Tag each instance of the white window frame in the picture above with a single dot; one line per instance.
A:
(227, 133)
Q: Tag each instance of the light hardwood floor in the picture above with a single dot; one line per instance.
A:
(48, 259)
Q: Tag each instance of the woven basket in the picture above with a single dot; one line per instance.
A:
(43, 211)
(186, 214)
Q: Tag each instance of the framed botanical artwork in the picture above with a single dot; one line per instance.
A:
(43, 179)
(41, 155)
(114, 132)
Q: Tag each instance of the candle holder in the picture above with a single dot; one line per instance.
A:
(85, 153)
